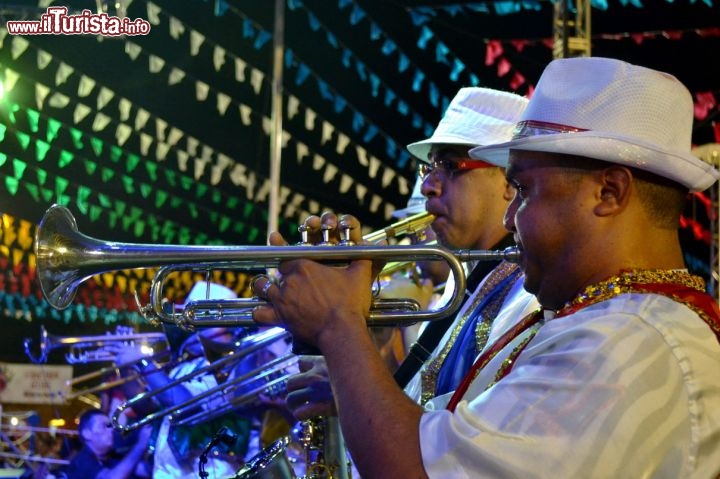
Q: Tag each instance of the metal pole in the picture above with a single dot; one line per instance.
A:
(277, 115)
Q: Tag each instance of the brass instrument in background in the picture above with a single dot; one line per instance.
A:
(105, 385)
(66, 258)
(87, 349)
(246, 346)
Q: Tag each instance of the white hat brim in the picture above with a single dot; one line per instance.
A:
(684, 168)
(421, 149)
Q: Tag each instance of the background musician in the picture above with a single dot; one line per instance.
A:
(177, 449)
(97, 459)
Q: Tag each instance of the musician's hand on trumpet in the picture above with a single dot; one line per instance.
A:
(306, 287)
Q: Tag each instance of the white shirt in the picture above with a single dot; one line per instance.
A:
(626, 388)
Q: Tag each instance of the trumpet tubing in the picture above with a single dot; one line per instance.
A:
(66, 257)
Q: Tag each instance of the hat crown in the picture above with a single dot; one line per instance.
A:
(614, 97)
(475, 116)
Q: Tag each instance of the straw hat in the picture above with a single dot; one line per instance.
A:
(610, 110)
(476, 116)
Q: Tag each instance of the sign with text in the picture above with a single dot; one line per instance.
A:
(34, 384)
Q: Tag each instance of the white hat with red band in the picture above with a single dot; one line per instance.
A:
(613, 111)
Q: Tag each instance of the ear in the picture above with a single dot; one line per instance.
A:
(615, 184)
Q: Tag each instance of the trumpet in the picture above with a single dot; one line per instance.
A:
(66, 258)
(85, 349)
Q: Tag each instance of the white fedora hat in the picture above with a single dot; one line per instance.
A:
(476, 116)
(610, 110)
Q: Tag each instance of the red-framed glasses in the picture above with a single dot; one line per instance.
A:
(449, 167)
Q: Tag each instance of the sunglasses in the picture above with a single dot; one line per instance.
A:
(449, 167)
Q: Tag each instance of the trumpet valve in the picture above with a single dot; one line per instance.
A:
(325, 232)
(345, 231)
(303, 230)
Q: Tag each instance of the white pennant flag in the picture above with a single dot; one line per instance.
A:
(160, 128)
(293, 106)
(196, 41)
(342, 143)
(318, 162)
(330, 173)
(176, 76)
(132, 49)
(256, 80)
(266, 125)
(387, 177)
(176, 28)
(201, 90)
(245, 114)
(403, 185)
(199, 167)
(375, 203)
(161, 151)
(237, 175)
(122, 133)
(145, 142)
(183, 158)
(124, 106)
(301, 151)
(100, 122)
(153, 13)
(43, 59)
(81, 111)
(192, 145)
(18, 47)
(346, 182)
(362, 155)
(218, 57)
(155, 63)
(63, 73)
(175, 135)
(285, 139)
(207, 153)
(41, 92)
(85, 86)
(240, 66)
(104, 97)
(58, 100)
(327, 132)
(360, 191)
(310, 116)
(389, 210)
(141, 118)
(223, 102)
(374, 167)
(222, 164)
(11, 78)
